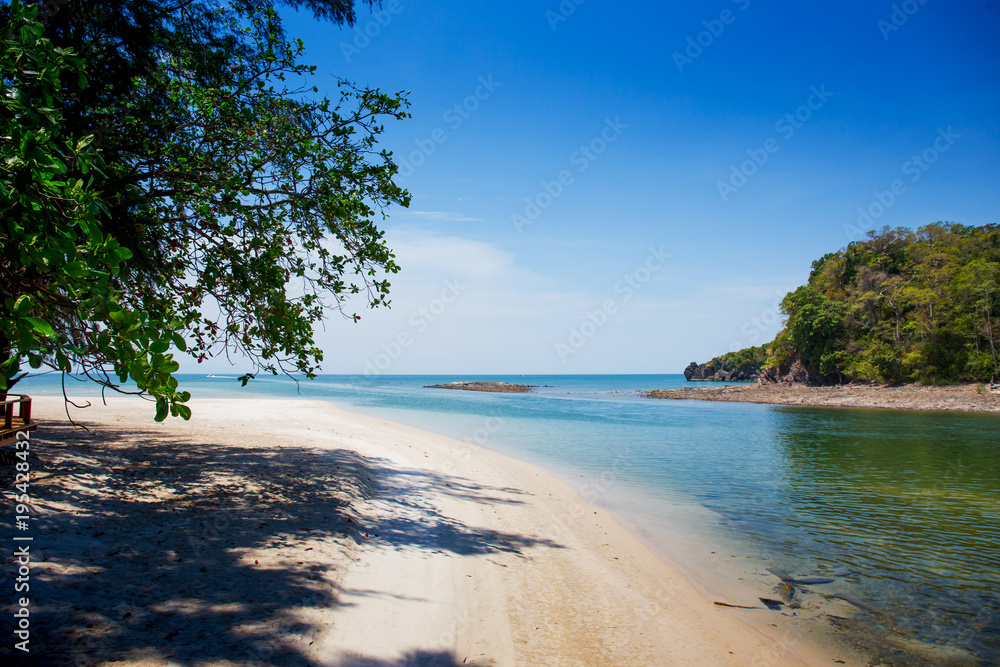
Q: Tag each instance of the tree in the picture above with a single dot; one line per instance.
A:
(979, 285)
(900, 306)
(250, 205)
(57, 267)
(814, 327)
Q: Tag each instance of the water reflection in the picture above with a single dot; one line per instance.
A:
(909, 504)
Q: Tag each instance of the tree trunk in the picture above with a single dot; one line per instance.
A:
(989, 336)
(4, 356)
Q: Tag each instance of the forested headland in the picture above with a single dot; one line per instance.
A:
(901, 306)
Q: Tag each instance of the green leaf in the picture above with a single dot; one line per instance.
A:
(162, 409)
(41, 326)
(184, 411)
(159, 346)
(22, 305)
(76, 269)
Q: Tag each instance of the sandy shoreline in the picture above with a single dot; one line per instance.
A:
(962, 398)
(294, 533)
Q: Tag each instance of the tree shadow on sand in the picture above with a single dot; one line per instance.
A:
(412, 659)
(157, 549)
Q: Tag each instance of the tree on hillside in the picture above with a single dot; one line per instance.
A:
(815, 328)
(900, 306)
(243, 206)
(978, 285)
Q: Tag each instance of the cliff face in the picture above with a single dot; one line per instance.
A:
(716, 371)
(794, 373)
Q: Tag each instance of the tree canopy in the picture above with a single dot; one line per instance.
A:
(901, 306)
(191, 193)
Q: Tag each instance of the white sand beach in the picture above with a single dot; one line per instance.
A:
(295, 533)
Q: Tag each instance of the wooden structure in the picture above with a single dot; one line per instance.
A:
(11, 423)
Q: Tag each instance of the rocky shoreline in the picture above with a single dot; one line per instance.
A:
(961, 398)
(496, 387)
(696, 372)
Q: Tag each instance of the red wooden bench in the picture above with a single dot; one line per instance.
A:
(11, 423)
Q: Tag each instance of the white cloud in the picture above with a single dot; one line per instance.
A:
(424, 252)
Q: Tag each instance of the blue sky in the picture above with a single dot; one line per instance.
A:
(667, 123)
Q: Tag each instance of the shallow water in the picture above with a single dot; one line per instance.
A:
(900, 509)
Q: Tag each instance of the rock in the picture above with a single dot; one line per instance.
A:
(497, 387)
(716, 372)
(773, 605)
(784, 575)
(795, 373)
(860, 604)
(788, 578)
(813, 580)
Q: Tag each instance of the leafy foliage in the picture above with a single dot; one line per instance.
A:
(57, 267)
(747, 361)
(899, 307)
(238, 207)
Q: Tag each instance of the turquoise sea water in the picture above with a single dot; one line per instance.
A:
(900, 509)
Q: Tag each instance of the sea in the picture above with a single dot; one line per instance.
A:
(885, 523)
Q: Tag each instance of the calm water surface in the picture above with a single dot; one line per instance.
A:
(900, 509)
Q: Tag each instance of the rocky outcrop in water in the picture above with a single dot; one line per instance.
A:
(714, 371)
(739, 366)
(496, 387)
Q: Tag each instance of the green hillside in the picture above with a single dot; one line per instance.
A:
(901, 306)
